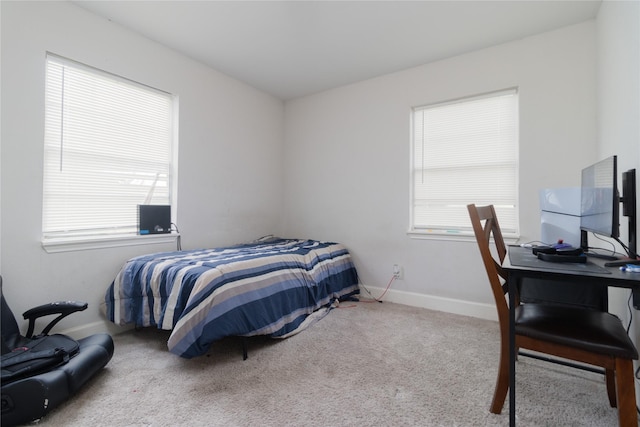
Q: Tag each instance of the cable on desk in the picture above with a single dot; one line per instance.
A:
(596, 250)
(630, 312)
(606, 241)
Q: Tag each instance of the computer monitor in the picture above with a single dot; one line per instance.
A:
(599, 199)
(600, 203)
(629, 210)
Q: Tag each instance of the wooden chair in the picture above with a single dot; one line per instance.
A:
(589, 336)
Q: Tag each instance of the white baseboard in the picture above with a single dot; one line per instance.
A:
(448, 305)
(95, 328)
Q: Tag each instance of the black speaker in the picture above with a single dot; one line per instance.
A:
(154, 219)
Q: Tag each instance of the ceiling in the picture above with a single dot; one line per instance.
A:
(295, 48)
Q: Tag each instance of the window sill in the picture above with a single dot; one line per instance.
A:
(455, 236)
(70, 244)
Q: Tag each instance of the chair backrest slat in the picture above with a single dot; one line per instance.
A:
(485, 234)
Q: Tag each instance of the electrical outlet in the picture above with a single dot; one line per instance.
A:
(397, 271)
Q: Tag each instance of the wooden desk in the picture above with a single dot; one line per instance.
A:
(521, 263)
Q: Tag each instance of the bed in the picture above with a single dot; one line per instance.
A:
(273, 287)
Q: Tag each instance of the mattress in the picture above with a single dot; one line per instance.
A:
(264, 288)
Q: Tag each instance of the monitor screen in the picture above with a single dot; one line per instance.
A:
(154, 219)
(599, 206)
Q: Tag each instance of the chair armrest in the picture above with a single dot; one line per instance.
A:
(63, 308)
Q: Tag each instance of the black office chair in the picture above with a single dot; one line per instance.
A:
(36, 385)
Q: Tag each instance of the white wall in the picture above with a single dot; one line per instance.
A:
(618, 42)
(230, 179)
(618, 70)
(347, 159)
(345, 165)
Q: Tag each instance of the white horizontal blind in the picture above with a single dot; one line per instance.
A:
(107, 149)
(465, 152)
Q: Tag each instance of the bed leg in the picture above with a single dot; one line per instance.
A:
(244, 348)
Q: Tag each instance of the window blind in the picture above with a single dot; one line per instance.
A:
(107, 148)
(465, 151)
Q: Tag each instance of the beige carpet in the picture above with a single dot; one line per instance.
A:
(365, 364)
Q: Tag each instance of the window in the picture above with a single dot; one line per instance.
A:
(464, 151)
(108, 147)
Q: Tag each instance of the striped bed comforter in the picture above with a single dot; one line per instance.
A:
(266, 288)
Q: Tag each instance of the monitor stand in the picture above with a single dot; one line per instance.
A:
(622, 262)
(601, 256)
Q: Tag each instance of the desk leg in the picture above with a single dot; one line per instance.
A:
(512, 350)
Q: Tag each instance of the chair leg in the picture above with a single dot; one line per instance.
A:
(610, 379)
(626, 393)
(502, 382)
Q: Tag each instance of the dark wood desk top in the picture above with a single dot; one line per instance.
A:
(521, 262)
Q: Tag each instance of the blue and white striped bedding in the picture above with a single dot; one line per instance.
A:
(266, 288)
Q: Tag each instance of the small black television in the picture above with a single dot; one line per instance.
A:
(154, 219)
(599, 199)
